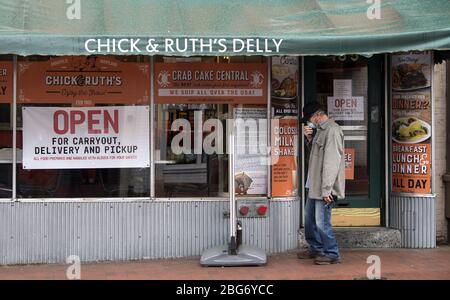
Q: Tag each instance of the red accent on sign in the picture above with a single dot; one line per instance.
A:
(77, 117)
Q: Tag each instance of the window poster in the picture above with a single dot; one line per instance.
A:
(197, 82)
(6, 81)
(284, 127)
(83, 81)
(411, 122)
(85, 137)
(349, 154)
(346, 108)
(285, 81)
(343, 106)
(284, 158)
(250, 162)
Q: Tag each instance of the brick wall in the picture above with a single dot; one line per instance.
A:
(440, 149)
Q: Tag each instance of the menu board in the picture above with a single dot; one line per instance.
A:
(192, 82)
(6, 81)
(411, 122)
(250, 161)
(83, 81)
(284, 127)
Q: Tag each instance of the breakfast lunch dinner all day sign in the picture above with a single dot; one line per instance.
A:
(411, 122)
(6, 82)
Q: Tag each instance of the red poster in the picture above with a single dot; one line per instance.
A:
(349, 163)
(83, 81)
(412, 120)
(411, 168)
(6, 81)
(284, 158)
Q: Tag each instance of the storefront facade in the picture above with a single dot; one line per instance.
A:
(124, 157)
(143, 200)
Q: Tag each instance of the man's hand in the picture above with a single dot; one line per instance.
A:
(308, 132)
(328, 199)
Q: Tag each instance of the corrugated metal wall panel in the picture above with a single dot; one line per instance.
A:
(415, 217)
(276, 233)
(33, 232)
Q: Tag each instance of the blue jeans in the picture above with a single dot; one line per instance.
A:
(318, 230)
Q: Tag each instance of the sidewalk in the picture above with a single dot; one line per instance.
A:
(395, 264)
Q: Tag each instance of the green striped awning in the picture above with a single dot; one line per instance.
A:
(308, 27)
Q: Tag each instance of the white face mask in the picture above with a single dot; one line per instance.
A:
(311, 125)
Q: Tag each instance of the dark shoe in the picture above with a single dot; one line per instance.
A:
(307, 255)
(325, 260)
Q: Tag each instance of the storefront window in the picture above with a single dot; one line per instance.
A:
(194, 100)
(6, 125)
(5, 151)
(96, 142)
(190, 173)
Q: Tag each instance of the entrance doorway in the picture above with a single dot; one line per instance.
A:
(351, 89)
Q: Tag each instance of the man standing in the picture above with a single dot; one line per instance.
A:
(325, 183)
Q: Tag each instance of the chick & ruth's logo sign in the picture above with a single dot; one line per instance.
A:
(83, 81)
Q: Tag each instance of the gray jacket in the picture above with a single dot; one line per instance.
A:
(326, 168)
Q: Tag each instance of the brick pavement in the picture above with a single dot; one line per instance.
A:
(395, 264)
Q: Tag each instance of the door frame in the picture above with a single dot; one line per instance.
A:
(376, 131)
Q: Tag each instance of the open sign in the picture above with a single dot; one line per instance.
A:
(85, 137)
(346, 102)
(98, 121)
(346, 108)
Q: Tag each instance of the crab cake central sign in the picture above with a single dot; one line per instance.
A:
(232, 83)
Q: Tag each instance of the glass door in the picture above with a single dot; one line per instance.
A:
(350, 88)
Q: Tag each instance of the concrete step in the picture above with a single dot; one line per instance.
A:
(361, 237)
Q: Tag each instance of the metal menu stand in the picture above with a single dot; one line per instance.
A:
(233, 254)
